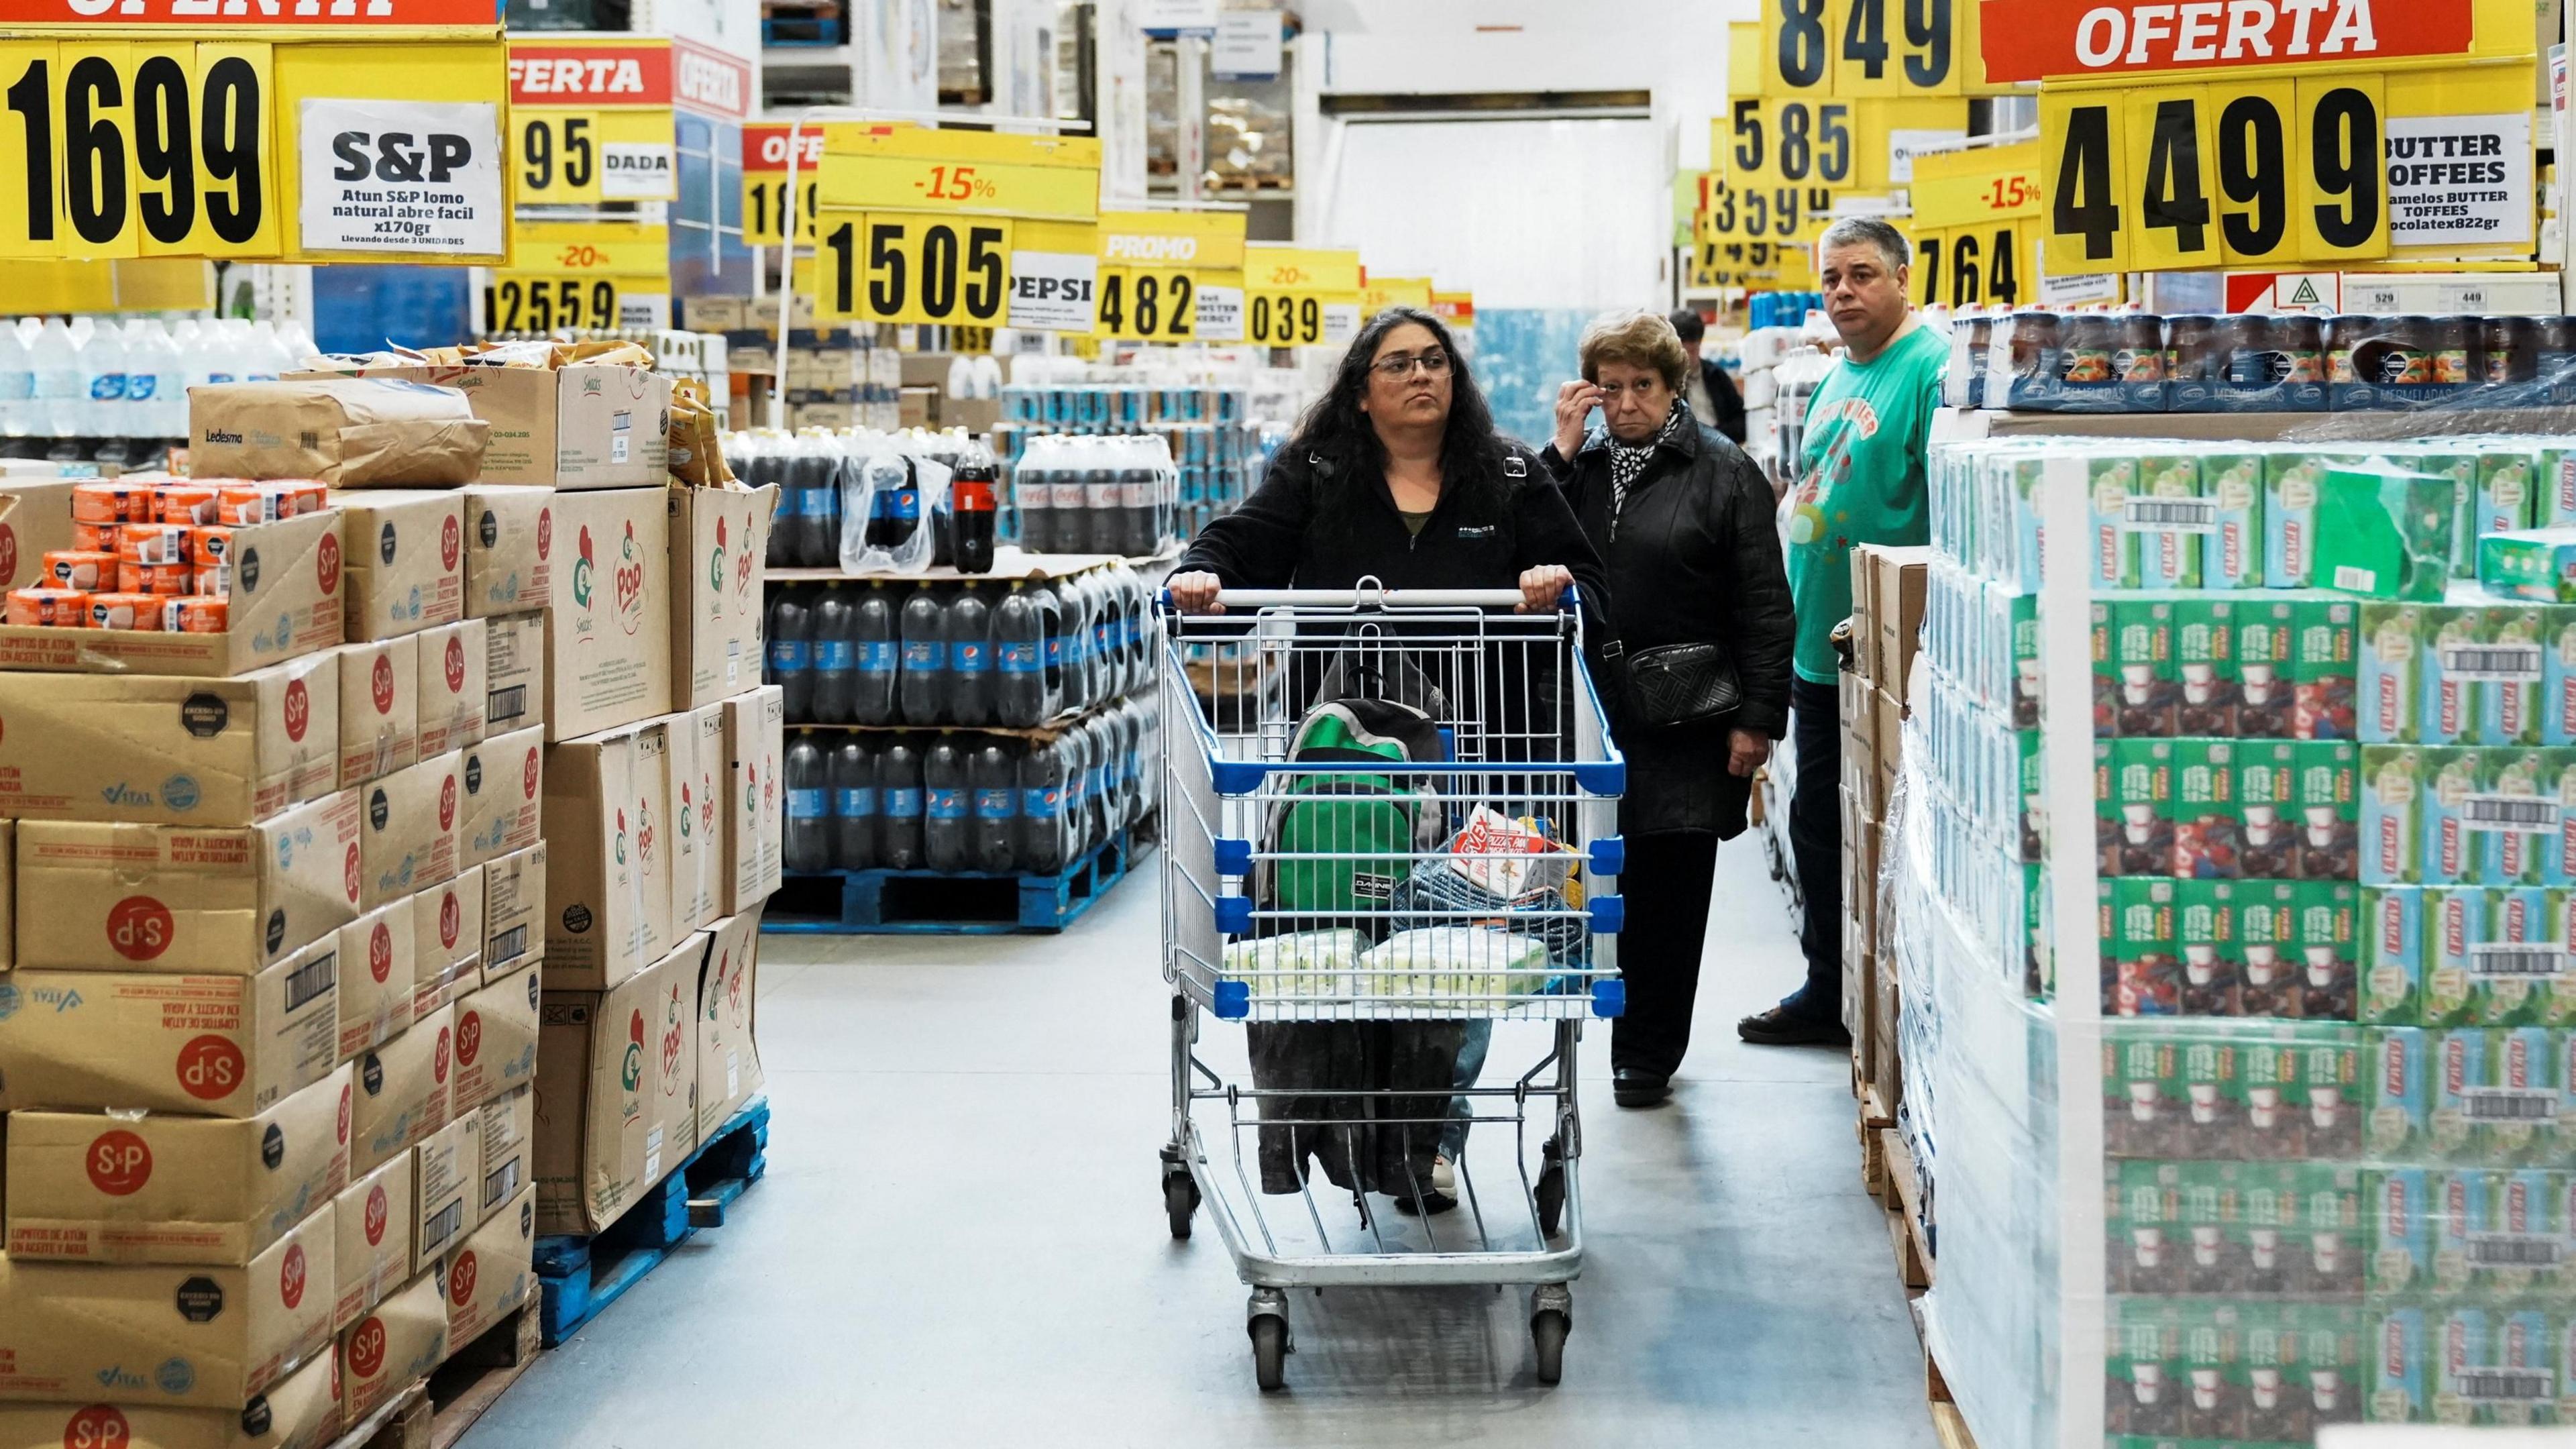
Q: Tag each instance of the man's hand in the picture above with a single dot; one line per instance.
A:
(1574, 404)
(1746, 752)
(1195, 593)
(1542, 586)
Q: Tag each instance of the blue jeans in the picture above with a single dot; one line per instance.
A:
(1471, 1065)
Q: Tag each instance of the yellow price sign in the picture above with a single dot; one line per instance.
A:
(1813, 48)
(1157, 268)
(1379, 293)
(1863, 145)
(1299, 296)
(1283, 319)
(1994, 265)
(590, 121)
(1149, 304)
(913, 268)
(1974, 187)
(1763, 213)
(868, 167)
(1756, 264)
(545, 301)
(764, 183)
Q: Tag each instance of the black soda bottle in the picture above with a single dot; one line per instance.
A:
(1019, 671)
(1108, 669)
(1100, 504)
(836, 658)
(1075, 750)
(880, 660)
(1033, 498)
(899, 807)
(970, 658)
(852, 774)
(1136, 499)
(817, 470)
(995, 781)
(1041, 819)
(971, 506)
(903, 508)
(807, 846)
(922, 687)
(944, 807)
(791, 654)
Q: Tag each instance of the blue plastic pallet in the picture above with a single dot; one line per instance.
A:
(929, 902)
(783, 31)
(580, 1275)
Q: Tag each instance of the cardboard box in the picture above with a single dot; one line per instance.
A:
(719, 542)
(406, 561)
(611, 1123)
(496, 1040)
(447, 1175)
(402, 1340)
(35, 519)
(168, 750)
(379, 708)
(509, 1131)
(509, 549)
(608, 626)
(586, 426)
(336, 430)
(504, 782)
(216, 1046)
(196, 1335)
(1860, 1002)
(1897, 599)
(514, 672)
(158, 1188)
(452, 692)
(8, 894)
(446, 924)
(375, 978)
(1887, 734)
(608, 899)
(755, 744)
(514, 899)
(697, 765)
(408, 839)
(402, 1094)
(286, 602)
(494, 1271)
(729, 1073)
(372, 1255)
(300, 1411)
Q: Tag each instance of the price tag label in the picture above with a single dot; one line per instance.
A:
(904, 168)
(599, 274)
(544, 301)
(1284, 319)
(764, 183)
(1865, 47)
(401, 177)
(1298, 297)
(1782, 214)
(591, 122)
(1154, 265)
(1055, 277)
(1458, 309)
(913, 268)
(1975, 187)
(1862, 145)
(1972, 266)
(2026, 40)
(1220, 312)
(1148, 304)
(1772, 265)
(1379, 293)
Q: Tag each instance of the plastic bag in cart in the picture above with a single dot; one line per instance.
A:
(1544, 915)
(1455, 965)
(1303, 965)
(885, 524)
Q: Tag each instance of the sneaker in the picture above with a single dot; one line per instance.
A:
(1782, 1027)
(1439, 1195)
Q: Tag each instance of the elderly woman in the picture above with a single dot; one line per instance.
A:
(1684, 521)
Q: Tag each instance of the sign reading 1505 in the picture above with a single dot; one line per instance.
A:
(911, 268)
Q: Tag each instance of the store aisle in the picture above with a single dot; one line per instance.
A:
(961, 1241)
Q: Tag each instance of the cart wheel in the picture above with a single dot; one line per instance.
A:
(1180, 1199)
(1270, 1351)
(1551, 1198)
(1547, 1334)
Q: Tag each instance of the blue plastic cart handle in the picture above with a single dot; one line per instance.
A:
(1234, 915)
(1609, 913)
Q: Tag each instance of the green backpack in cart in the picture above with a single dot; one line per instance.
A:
(1380, 822)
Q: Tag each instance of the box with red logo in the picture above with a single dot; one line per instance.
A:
(402, 1340)
(496, 1040)
(728, 1057)
(493, 1272)
(514, 672)
(446, 1170)
(379, 708)
(446, 926)
(755, 742)
(408, 830)
(514, 895)
(35, 520)
(300, 1411)
(616, 1071)
(504, 795)
(453, 659)
(592, 425)
(152, 1187)
(406, 560)
(184, 897)
(287, 600)
(403, 1091)
(719, 543)
(375, 978)
(167, 750)
(608, 624)
(208, 1337)
(697, 766)
(373, 1253)
(509, 1145)
(509, 549)
(216, 1046)
(608, 877)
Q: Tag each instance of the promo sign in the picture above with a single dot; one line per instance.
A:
(917, 226)
(1154, 266)
(590, 118)
(764, 183)
(1300, 296)
(2026, 40)
(1976, 226)
(1458, 309)
(582, 274)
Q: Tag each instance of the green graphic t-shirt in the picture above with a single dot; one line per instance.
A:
(1861, 481)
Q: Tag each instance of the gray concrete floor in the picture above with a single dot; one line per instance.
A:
(961, 1239)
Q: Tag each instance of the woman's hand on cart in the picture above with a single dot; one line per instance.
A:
(1746, 752)
(1541, 587)
(1195, 592)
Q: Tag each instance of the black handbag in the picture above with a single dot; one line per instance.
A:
(1674, 684)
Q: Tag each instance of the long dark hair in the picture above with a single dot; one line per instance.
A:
(1335, 428)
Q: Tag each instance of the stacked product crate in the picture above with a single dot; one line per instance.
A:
(1888, 599)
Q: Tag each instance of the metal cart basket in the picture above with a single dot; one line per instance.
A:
(1496, 900)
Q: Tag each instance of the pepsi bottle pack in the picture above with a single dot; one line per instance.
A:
(961, 803)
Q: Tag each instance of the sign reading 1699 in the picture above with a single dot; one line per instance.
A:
(140, 148)
(884, 267)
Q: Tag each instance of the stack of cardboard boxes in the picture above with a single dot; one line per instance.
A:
(1888, 590)
(276, 915)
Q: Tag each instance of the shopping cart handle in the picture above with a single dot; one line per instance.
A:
(1370, 594)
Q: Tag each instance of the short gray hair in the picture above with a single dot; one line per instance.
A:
(1869, 231)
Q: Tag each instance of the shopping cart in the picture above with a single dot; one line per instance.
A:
(1501, 906)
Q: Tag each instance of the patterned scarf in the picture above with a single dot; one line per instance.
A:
(1627, 460)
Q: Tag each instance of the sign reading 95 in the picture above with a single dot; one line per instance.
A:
(2244, 173)
(136, 148)
(898, 267)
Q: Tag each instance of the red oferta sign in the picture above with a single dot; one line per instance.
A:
(236, 14)
(2028, 40)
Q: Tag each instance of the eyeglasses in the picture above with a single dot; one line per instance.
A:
(1646, 388)
(1395, 369)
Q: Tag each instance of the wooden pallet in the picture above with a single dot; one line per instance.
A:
(1904, 1218)
(475, 1376)
(929, 902)
(405, 1422)
(579, 1275)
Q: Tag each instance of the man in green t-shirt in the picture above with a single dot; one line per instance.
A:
(1860, 480)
